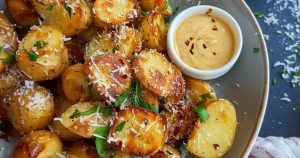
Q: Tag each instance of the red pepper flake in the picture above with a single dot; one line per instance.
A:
(209, 11)
(216, 146)
(213, 20)
(187, 42)
(214, 53)
(191, 38)
(191, 51)
(193, 46)
(204, 46)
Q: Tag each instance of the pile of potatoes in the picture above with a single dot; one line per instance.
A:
(96, 70)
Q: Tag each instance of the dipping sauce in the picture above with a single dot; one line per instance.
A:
(204, 42)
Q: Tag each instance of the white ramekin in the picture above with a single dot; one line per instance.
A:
(197, 73)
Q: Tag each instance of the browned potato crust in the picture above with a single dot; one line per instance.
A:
(155, 73)
(38, 144)
(167, 152)
(111, 74)
(70, 16)
(154, 31)
(82, 150)
(22, 12)
(114, 12)
(143, 132)
(179, 91)
(162, 6)
(31, 107)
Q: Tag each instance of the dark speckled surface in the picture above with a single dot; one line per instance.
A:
(280, 119)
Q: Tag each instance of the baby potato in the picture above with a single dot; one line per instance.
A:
(8, 43)
(155, 73)
(76, 48)
(154, 31)
(75, 119)
(22, 12)
(30, 106)
(137, 131)
(42, 54)
(70, 16)
(114, 12)
(150, 98)
(195, 89)
(161, 6)
(180, 89)
(214, 137)
(111, 74)
(89, 33)
(39, 144)
(167, 152)
(82, 150)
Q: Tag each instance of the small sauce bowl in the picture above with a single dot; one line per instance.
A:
(197, 73)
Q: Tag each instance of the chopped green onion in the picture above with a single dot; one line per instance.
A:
(204, 98)
(256, 50)
(259, 14)
(68, 9)
(9, 60)
(40, 44)
(120, 126)
(144, 13)
(32, 55)
(106, 111)
(296, 73)
(50, 7)
(202, 113)
(122, 97)
(148, 106)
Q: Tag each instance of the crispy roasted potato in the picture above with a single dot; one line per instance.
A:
(142, 133)
(114, 12)
(82, 150)
(89, 33)
(167, 152)
(155, 73)
(196, 88)
(154, 31)
(214, 137)
(8, 42)
(84, 125)
(70, 16)
(180, 118)
(161, 6)
(29, 106)
(111, 74)
(150, 98)
(179, 91)
(42, 54)
(22, 12)
(76, 48)
(38, 144)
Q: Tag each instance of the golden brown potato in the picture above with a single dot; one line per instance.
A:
(42, 54)
(114, 12)
(89, 33)
(22, 12)
(155, 73)
(70, 16)
(161, 6)
(39, 144)
(85, 125)
(166, 152)
(150, 98)
(111, 74)
(82, 150)
(142, 132)
(30, 107)
(76, 48)
(179, 91)
(214, 137)
(154, 31)
(8, 43)
(195, 89)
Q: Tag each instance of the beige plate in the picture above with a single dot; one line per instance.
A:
(246, 85)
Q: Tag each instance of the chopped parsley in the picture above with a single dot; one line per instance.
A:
(121, 99)
(11, 58)
(298, 47)
(259, 14)
(296, 108)
(120, 126)
(101, 135)
(144, 13)
(50, 7)
(256, 50)
(32, 55)
(106, 111)
(40, 44)
(297, 73)
(68, 9)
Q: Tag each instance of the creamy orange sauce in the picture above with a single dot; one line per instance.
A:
(204, 42)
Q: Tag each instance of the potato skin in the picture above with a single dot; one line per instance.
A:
(110, 13)
(8, 41)
(214, 137)
(76, 48)
(155, 73)
(31, 107)
(82, 150)
(167, 152)
(111, 74)
(143, 132)
(79, 19)
(52, 58)
(176, 97)
(154, 31)
(22, 12)
(161, 6)
(38, 144)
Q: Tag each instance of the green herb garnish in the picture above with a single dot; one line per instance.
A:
(11, 57)
(123, 97)
(120, 126)
(297, 73)
(202, 113)
(168, 19)
(256, 50)
(267, 37)
(259, 14)
(298, 47)
(50, 7)
(40, 44)
(106, 111)
(68, 9)
(284, 71)
(274, 81)
(137, 99)
(296, 108)
(101, 135)
(32, 55)
(168, 5)
(144, 13)
(11, 117)
(204, 98)
(148, 106)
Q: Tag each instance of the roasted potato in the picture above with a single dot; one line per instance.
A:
(154, 31)
(85, 125)
(155, 73)
(195, 89)
(39, 144)
(111, 74)
(70, 16)
(120, 154)
(22, 12)
(114, 12)
(31, 107)
(179, 91)
(76, 48)
(82, 150)
(214, 137)
(42, 54)
(89, 33)
(161, 6)
(150, 98)
(142, 133)
(166, 152)
(8, 43)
